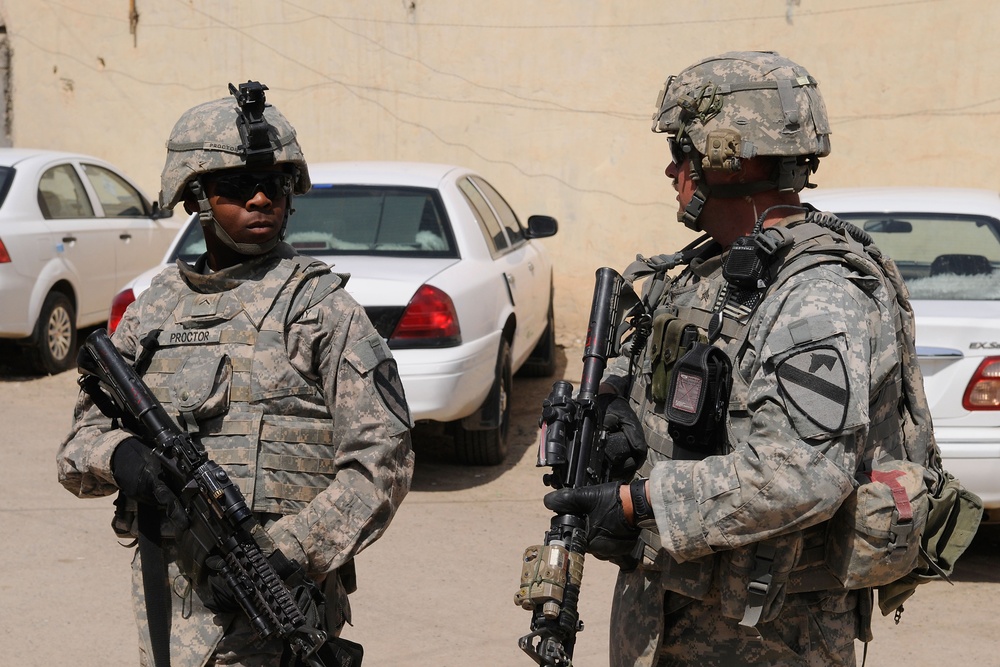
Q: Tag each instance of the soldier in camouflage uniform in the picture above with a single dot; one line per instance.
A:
(733, 540)
(261, 354)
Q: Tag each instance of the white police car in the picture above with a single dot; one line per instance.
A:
(460, 289)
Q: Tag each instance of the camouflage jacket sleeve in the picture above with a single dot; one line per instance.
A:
(816, 350)
(334, 344)
(84, 457)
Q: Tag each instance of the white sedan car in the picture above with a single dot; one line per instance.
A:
(73, 231)
(458, 287)
(946, 243)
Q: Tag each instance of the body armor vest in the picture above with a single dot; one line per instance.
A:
(798, 556)
(219, 365)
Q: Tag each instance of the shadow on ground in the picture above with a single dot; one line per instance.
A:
(979, 562)
(14, 365)
(437, 469)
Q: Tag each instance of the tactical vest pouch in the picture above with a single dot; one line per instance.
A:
(952, 520)
(698, 398)
(670, 338)
(200, 389)
(875, 536)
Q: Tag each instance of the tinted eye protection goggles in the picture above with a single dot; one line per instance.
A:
(680, 150)
(242, 186)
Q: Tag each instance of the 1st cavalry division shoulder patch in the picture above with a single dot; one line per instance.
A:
(814, 383)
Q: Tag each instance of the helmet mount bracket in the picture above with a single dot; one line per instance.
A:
(253, 128)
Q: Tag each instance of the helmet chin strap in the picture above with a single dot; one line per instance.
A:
(689, 216)
(208, 221)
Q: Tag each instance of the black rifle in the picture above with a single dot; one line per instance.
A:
(221, 524)
(572, 444)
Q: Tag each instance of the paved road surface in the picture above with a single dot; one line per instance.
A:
(436, 591)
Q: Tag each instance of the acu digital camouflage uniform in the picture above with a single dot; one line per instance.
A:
(283, 378)
(816, 383)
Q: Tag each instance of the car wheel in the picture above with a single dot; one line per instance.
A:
(54, 342)
(488, 447)
(542, 362)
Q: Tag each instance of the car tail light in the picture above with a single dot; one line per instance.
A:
(430, 320)
(4, 255)
(983, 392)
(118, 306)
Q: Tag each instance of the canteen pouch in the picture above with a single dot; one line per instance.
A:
(953, 518)
(874, 537)
(698, 398)
(671, 336)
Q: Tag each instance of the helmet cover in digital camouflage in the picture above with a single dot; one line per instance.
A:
(207, 138)
(770, 102)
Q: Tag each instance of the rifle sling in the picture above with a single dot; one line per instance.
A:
(155, 587)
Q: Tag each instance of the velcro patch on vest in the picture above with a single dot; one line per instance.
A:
(815, 385)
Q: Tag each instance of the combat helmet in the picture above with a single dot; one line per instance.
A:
(743, 104)
(224, 134)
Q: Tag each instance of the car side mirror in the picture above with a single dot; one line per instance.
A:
(541, 226)
(159, 213)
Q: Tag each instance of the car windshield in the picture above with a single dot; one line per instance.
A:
(370, 220)
(941, 256)
(357, 220)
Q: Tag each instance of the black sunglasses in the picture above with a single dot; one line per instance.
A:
(243, 185)
(679, 150)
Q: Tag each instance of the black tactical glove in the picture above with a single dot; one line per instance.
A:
(222, 599)
(625, 448)
(608, 534)
(136, 471)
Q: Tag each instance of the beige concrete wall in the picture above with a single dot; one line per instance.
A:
(550, 100)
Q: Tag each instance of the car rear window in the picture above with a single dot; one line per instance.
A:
(370, 220)
(941, 256)
(6, 178)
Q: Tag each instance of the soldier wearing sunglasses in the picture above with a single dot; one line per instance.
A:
(739, 538)
(262, 356)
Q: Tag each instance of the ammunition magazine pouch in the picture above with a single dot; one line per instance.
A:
(670, 338)
(698, 399)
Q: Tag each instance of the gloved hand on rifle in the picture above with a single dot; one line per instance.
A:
(611, 518)
(221, 599)
(136, 471)
(625, 447)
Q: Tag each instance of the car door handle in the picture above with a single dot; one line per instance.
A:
(124, 236)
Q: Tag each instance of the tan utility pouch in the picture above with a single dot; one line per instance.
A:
(875, 535)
